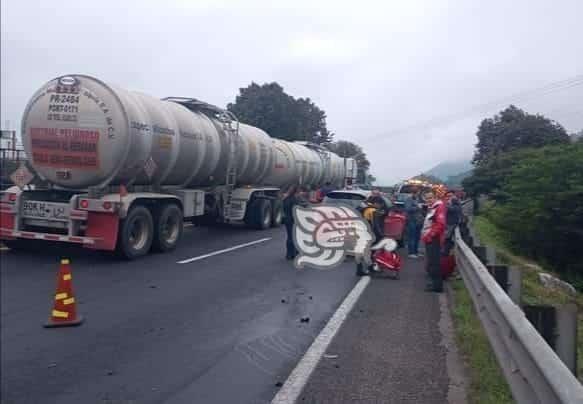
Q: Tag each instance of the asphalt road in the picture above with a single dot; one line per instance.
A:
(225, 329)
(396, 346)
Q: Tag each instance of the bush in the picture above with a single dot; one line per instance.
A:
(542, 207)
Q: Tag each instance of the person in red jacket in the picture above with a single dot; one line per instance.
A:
(432, 235)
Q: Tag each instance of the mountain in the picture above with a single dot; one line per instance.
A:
(447, 169)
(577, 137)
(455, 181)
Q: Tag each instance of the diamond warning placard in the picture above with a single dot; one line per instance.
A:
(150, 167)
(22, 176)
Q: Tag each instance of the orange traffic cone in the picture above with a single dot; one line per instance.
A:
(64, 312)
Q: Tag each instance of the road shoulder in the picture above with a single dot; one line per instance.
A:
(396, 346)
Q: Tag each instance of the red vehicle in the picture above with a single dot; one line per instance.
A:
(384, 259)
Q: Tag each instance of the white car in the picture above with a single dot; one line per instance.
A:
(349, 197)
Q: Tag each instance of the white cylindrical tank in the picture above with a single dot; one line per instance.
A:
(295, 163)
(80, 132)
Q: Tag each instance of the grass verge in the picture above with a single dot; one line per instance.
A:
(487, 383)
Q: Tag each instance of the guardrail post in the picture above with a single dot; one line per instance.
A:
(500, 273)
(543, 318)
(480, 252)
(469, 241)
(474, 236)
(566, 343)
(515, 285)
(491, 255)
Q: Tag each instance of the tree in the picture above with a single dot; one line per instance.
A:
(312, 122)
(542, 213)
(488, 178)
(282, 116)
(577, 137)
(513, 129)
(347, 149)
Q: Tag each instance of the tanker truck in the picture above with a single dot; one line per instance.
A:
(122, 171)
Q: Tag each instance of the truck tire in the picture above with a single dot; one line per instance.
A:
(168, 228)
(276, 212)
(259, 214)
(136, 233)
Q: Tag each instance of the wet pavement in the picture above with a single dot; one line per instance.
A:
(226, 329)
(393, 347)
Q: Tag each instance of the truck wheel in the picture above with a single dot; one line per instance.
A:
(168, 228)
(259, 214)
(276, 213)
(136, 233)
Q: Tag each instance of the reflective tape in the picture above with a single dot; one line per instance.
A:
(60, 314)
(61, 296)
(71, 300)
(67, 277)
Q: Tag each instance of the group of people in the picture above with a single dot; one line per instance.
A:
(434, 224)
(431, 220)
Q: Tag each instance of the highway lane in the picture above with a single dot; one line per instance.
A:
(222, 329)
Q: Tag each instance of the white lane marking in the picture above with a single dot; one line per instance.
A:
(201, 257)
(298, 378)
(188, 224)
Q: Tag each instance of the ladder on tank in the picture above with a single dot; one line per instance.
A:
(322, 152)
(230, 126)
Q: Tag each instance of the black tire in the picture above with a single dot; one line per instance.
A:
(136, 233)
(276, 212)
(168, 227)
(259, 214)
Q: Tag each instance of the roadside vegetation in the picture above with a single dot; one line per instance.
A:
(486, 380)
(533, 292)
(531, 173)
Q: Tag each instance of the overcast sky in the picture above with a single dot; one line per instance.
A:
(407, 80)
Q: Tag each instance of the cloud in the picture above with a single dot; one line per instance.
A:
(375, 67)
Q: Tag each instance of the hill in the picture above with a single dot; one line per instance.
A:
(447, 169)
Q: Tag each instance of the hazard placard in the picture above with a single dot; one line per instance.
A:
(150, 167)
(22, 176)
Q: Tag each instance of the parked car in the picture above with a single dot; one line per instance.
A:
(349, 197)
(405, 190)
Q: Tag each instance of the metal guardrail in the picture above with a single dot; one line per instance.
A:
(533, 371)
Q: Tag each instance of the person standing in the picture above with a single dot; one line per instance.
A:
(380, 211)
(414, 223)
(294, 197)
(454, 215)
(432, 234)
